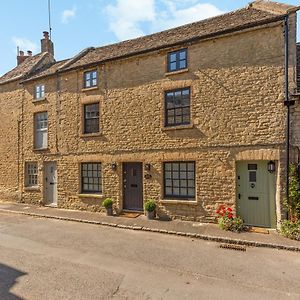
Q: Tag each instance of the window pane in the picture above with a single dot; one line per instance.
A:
(173, 66)
(182, 64)
(182, 55)
(172, 57)
(168, 191)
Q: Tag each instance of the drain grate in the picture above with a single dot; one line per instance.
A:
(233, 247)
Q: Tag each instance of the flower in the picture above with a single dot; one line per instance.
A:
(229, 209)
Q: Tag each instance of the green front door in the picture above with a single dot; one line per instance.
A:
(256, 193)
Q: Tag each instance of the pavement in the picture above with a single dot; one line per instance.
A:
(204, 231)
(49, 259)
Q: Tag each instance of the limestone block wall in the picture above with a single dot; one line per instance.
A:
(237, 93)
(10, 111)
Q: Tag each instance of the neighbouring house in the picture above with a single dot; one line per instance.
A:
(193, 117)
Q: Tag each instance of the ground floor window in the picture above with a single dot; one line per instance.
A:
(179, 180)
(91, 178)
(31, 174)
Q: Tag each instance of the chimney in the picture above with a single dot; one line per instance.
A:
(47, 44)
(29, 53)
(21, 57)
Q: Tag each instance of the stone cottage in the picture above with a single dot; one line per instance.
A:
(192, 117)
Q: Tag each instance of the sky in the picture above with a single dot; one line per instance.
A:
(77, 24)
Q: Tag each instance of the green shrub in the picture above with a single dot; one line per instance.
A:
(150, 205)
(290, 229)
(107, 203)
(293, 204)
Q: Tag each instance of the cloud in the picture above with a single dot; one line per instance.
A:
(132, 18)
(177, 16)
(24, 44)
(126, 17)
(68, 14)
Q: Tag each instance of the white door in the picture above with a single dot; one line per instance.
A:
(50, 183)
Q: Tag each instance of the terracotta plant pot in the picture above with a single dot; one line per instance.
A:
(150, 215)
(109, 211)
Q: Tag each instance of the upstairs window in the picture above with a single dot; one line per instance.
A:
(31, 174)
(39, 91)
(90, 79)
(177, 107)
(177, 60)
(91, 118)
(41, 130)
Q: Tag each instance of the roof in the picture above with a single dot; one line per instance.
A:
(26, 67)
(256, 13)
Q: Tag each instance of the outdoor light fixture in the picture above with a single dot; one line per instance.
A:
(271, 166)
(147, 167)
(114, 166)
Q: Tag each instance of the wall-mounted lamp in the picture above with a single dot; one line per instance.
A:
(271, 166)
(114, 166)
(147, 167)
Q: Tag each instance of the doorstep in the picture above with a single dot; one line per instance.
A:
(209, 232)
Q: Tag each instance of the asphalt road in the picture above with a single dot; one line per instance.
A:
(51, 259)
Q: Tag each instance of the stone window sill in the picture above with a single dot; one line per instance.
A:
(98, 196)
(90, 135)
(89, 89)
(178, 127)
(178, 201)
(176, 72)
(32, 189)
(39, 100)
(40, 149)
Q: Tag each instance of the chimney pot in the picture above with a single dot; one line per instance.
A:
(21, 57)
(46, 34)
(29, 53)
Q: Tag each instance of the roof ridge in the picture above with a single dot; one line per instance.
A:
(76, 57)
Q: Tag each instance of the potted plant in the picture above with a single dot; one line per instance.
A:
(108, 204)
(149, 207)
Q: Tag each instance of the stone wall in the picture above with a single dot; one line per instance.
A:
(237, 93)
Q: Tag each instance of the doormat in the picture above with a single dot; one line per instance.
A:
(259, 230)
(129, 214)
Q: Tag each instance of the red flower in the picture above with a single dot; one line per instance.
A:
(230, 216)
(218, 212)
(229, 209)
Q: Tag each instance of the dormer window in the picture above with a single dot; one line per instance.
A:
(39, 92)
(177, 60)
(90, 79)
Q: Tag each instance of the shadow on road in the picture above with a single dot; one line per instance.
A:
(8, 277)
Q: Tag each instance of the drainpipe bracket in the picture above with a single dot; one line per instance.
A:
(289, 103)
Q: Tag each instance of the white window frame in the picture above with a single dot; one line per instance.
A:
(39, 92)
(31, 174)
(41, 130)
(90, 79)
